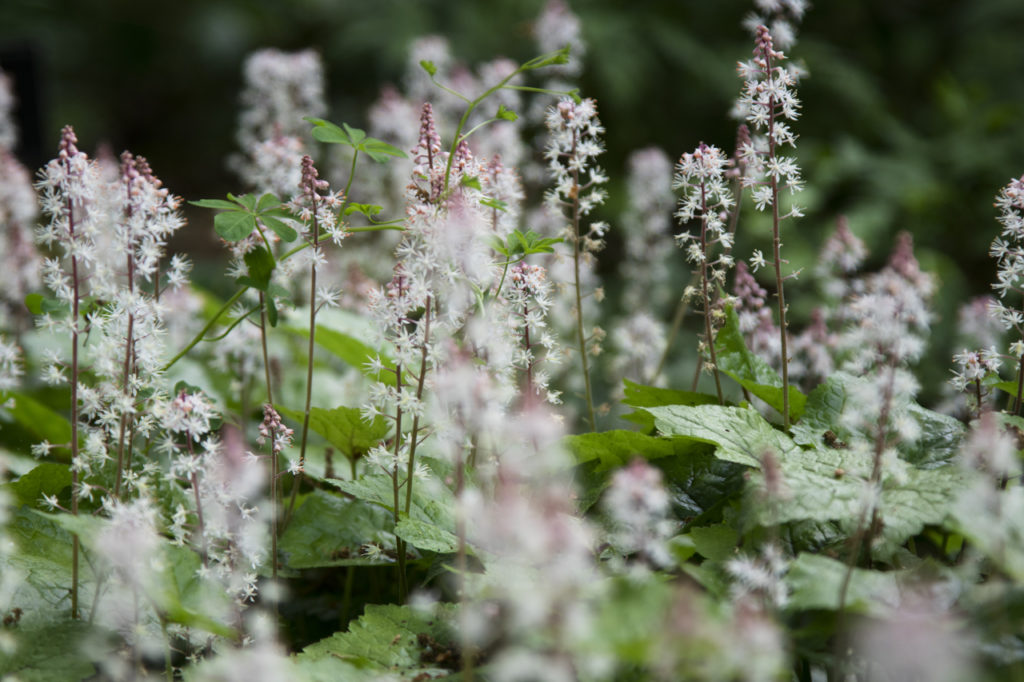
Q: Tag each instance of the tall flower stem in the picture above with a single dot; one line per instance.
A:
(777, 258)
(414, 434)
(75, 296)
(274, 464)
(129, 348)
(399, 544)
(709, 336)
(1020, 386)
(576, 255)
(309, 358)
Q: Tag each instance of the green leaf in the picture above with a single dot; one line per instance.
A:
(344, 428)
(750, 371)
(34, 303)
(699, 484)
(741, 434)
(59, 652)
(39, 570)
(261, 266)
(431, 501)
(330, 530)
(497, 205)
(354, 134)
(282, 229)
(368, 210)
(234, 225)
(717, 542)
(629, 622)
(246, 201)
(614, 449)
(325, 131)
(638, 395)
(506, 114)
(271, 311)
(429, 67)
(350, 349)
(548, 59)
(426, 536)
(472, 182)
(821, 484)
(219, 204)
(39, 420)
(822, 413)
(939, 444)
(387, 637)
(267, 202)
(940, 434)
(815, 583)
(46, 478)
(379, 151)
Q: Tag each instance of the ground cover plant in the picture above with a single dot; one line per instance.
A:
(404, 445)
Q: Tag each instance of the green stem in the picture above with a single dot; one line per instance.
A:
(76, 294)
(309, 355)
(274, 497)
(416, 418)
(209, 325)
(576, 279)
(1020, 386)
(776, 249)
(168, 656)
(709, 338)
(399, 545)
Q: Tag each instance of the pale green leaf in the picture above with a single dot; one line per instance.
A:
(426, 536)
(815, 583)
(329, 530)
(388, 638)
(750, 371)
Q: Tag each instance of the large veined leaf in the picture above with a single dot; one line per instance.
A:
(344, 428)
(431, 501)
(426, 536)
(42, 567)
(329, 530)
(613, 449)
(741, 434)
(819, 484)
(38, 419)
(638, 395)
(395, 639)
(430, 523)
(174, 586)
(47, 478)
(751, 371)
(822, 421)
(343, 334)
(695, 479)
(815, 583)
(59, 652)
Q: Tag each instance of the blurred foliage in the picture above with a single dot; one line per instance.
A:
(912, 109)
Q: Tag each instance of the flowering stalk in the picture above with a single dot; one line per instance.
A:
(768, 102)
(274, 463)
(68, 149)
(574, 143)
(702, 175)
(310, 203)
(68, 184)
(1008, 250)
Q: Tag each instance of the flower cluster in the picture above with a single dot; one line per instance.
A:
(768, 102)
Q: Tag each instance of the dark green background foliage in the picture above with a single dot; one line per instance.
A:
(913, 111)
